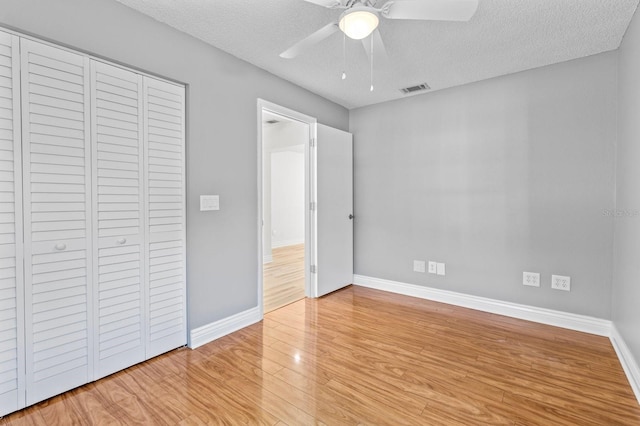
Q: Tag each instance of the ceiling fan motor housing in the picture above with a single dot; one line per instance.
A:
(359, 21)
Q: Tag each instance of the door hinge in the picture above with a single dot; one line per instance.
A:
(312, 142)
(312, 206)
(313, 269)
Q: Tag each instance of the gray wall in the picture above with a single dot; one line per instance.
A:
(494, 178)
(221, 133)
(626, 281)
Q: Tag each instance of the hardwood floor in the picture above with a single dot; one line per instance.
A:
(360, 356)
(283, 281)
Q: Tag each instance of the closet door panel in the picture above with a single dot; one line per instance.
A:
(117, 136)
(57, 215)
(165, 198)
(11, 279)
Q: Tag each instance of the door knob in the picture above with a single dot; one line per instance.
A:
(350, 216)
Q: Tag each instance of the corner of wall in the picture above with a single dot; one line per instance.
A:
(628, 362)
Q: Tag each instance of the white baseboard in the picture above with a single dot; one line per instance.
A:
(268, 258)
(284, 243)
(570, 321)
(210, 332)
(627, 360)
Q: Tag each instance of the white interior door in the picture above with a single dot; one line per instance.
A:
(11, 282)
(164, 134)
(334, 211)
(118, 205)
(57, 217)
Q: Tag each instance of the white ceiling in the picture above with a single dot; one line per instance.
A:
(505, 36)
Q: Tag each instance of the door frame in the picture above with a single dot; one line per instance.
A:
(310, 229)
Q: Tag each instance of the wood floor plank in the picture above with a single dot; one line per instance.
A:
(30, 416)
(361, 356)
(283, 277)
(277, 405)
(83, 405)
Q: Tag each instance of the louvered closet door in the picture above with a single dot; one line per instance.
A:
(11, 281)
(164, 168)
(57, 202)
(117, 144)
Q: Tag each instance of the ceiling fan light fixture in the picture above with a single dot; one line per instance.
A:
(358, 22)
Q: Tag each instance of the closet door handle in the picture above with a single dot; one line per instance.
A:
(60, 246)
(121, 240)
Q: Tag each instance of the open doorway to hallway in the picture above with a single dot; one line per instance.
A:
(283, 207)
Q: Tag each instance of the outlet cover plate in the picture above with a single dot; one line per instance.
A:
(433, 268)
(419, 266)
(560, 282)
(531, 279)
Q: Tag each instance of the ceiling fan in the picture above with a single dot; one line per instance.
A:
(360, 19)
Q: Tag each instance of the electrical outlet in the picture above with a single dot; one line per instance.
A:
(419, 266)
(440, 269)
(433, 267)
(559, 282)
(531, 279)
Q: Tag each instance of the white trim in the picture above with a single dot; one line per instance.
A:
(627, 360)
(570, 321)
(285, 243)
(215, 330)
(267, 258)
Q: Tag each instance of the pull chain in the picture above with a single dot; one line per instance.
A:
(371, 69)
(344, 56)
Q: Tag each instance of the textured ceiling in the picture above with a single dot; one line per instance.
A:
(504, 36)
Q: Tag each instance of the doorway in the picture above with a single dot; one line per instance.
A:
(285, 241)
(283, 205)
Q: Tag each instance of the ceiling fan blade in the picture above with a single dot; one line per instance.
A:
(331, 4)
(314, 38)
(432, 10)
(379, 51)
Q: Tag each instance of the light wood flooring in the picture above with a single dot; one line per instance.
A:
(283, 281)
(360, 356)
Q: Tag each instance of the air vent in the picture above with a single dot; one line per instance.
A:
(413, 89)
(272, 121)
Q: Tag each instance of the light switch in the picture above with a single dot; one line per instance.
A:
(440, 268)
(209, 202)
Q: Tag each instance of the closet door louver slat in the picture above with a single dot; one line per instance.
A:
(57, 216)
(118, 205)
(11, 280)
(165, 228)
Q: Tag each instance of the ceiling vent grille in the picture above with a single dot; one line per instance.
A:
(413, 89)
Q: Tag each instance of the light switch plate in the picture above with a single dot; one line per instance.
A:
(440, 269)
(209, 202)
